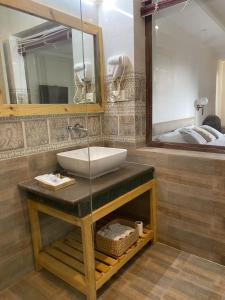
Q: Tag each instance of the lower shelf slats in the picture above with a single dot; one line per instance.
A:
(63, 271)
(74, 239)
(65, 259)
(68, 260)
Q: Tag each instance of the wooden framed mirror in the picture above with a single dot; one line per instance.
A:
(50, 62)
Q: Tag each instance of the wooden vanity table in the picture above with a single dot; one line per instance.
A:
(73, 258)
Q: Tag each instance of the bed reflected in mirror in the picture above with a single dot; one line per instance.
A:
(189, 75)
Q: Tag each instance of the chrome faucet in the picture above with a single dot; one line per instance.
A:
(78, 128)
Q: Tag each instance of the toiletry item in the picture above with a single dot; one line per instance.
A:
(139, 226)
(54, 181)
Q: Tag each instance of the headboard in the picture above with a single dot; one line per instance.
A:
(163, 127)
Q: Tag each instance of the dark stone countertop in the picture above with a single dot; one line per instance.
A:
(70, 197)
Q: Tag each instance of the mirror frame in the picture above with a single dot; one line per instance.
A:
(42, 11)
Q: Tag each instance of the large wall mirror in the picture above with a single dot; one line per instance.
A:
(48, 66)
(188, 101)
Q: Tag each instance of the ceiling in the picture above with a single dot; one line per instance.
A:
(205, 19)
(216, 7)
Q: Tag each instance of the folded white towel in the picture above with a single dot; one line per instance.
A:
(116, 231)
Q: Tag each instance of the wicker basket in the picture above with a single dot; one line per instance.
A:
(117, 248)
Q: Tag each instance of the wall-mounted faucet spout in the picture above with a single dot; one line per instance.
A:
(78, 128)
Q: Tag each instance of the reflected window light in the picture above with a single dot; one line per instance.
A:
(108, 5)
(92, 2)
(89, 2)
(156, 27)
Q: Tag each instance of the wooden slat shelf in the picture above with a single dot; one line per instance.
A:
(73, 258)
(66, 258)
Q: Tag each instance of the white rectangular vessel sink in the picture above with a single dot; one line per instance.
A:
(92, 162)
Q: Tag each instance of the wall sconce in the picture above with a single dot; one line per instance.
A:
(201, 103)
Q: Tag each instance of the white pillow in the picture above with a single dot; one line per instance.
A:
(170, 137)
(192, 137)
(213, 131)
(208, 136)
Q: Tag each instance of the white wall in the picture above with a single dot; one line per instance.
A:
(183, 71)
(117, 22)
(139, 39)
(12, 22)
(72, 7)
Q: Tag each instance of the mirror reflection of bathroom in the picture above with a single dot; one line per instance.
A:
(84, 72)
(41, 62)
(117, 69)
(188, 88)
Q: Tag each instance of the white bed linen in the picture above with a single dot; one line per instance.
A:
(176, 137)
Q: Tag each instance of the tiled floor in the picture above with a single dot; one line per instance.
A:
(157, 273)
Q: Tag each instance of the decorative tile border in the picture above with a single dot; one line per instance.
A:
(35, 134)
(124, 139)
(125, 121)
(122, 122)
(133, 84)
(51, 147)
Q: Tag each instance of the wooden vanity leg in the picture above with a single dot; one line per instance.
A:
(153, 211)
(89, 259)
(35, 232)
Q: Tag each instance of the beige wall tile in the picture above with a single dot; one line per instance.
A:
(74, 121)
(138, 125)
(58, 130)
(126, 125)
(110, 125)
(11, 134)
(191, 202)
(94, 125)
(16, 258)
(36, 132)
(144, 125)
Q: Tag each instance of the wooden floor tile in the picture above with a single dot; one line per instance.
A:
(159, 272)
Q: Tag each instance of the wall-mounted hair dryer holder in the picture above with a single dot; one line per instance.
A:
(117, 66)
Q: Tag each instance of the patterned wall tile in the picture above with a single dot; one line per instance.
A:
(127, 125)
(133, 84)
(77, 120)
(58, 130)
(36, 132)
(144, 125)
(130, 112)
(11, 134)
(41, 137)
(94, 125)
(120, 108)
(110, 125)
(138, 125)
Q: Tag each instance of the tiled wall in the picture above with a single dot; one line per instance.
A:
(191, 200)
(16, 254)
(124, 121)
(23, 136)
(43, 137)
